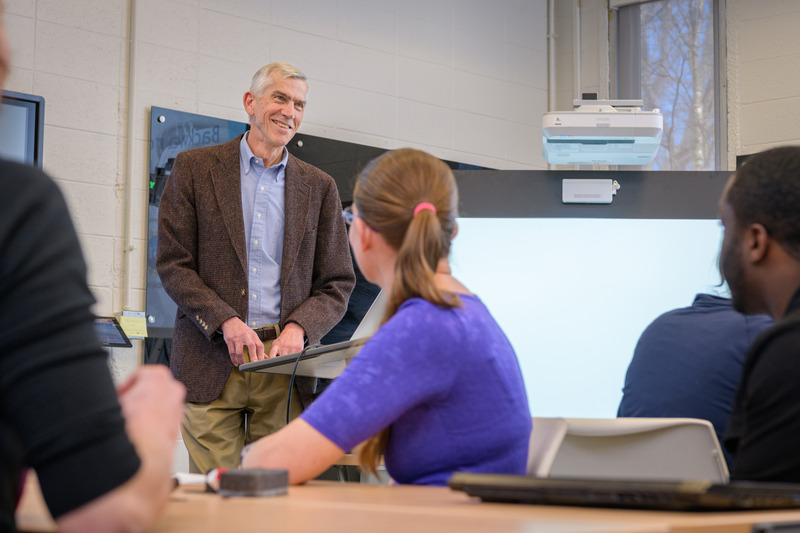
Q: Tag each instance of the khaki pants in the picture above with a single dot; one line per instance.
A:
(215, 432)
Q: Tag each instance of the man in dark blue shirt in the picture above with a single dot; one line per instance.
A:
(688, 362)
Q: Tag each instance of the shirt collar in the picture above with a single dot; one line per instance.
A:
(710, 300)
(247, 157)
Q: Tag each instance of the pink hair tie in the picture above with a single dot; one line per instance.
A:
(422, 206)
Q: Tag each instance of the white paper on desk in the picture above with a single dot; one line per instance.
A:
(185, 478)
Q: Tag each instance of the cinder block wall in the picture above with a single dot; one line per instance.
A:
(463, 79)
(763, 75)
(593, 69)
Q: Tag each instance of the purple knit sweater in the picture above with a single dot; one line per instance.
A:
(449, 384)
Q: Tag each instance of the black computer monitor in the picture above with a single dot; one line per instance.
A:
(22, 128)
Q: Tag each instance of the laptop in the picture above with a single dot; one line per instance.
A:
(654, 495)
(326, 361)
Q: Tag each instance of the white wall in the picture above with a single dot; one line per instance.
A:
(463, 79)
(592, 71)
(763, 75)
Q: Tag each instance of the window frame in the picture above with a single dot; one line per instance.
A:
(626, 78)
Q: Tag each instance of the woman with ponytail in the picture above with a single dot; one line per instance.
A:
(438, 388)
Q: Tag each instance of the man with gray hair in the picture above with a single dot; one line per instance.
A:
(253, 250)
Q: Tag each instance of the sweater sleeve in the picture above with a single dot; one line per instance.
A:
(764, 426)
(394, 372)
(57, 397)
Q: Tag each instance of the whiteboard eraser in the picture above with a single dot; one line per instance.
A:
(254, 482)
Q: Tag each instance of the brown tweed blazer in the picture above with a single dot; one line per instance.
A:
(202, 260)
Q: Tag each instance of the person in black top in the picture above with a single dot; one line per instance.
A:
(102, 456)
(760, 259)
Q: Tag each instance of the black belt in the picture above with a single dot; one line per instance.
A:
(267, 333)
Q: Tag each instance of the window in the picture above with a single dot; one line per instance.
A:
(667, 56)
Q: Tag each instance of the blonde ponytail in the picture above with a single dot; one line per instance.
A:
(410, 198)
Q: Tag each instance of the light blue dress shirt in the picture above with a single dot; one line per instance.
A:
(263, 209)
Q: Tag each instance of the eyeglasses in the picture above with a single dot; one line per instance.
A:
(349, 217)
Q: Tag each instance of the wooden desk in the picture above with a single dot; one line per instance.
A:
(322, 506)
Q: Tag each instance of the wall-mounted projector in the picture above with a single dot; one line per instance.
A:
(602, 132)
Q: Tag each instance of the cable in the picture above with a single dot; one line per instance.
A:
(291, 381)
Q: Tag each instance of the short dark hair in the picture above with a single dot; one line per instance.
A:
(766, 191)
